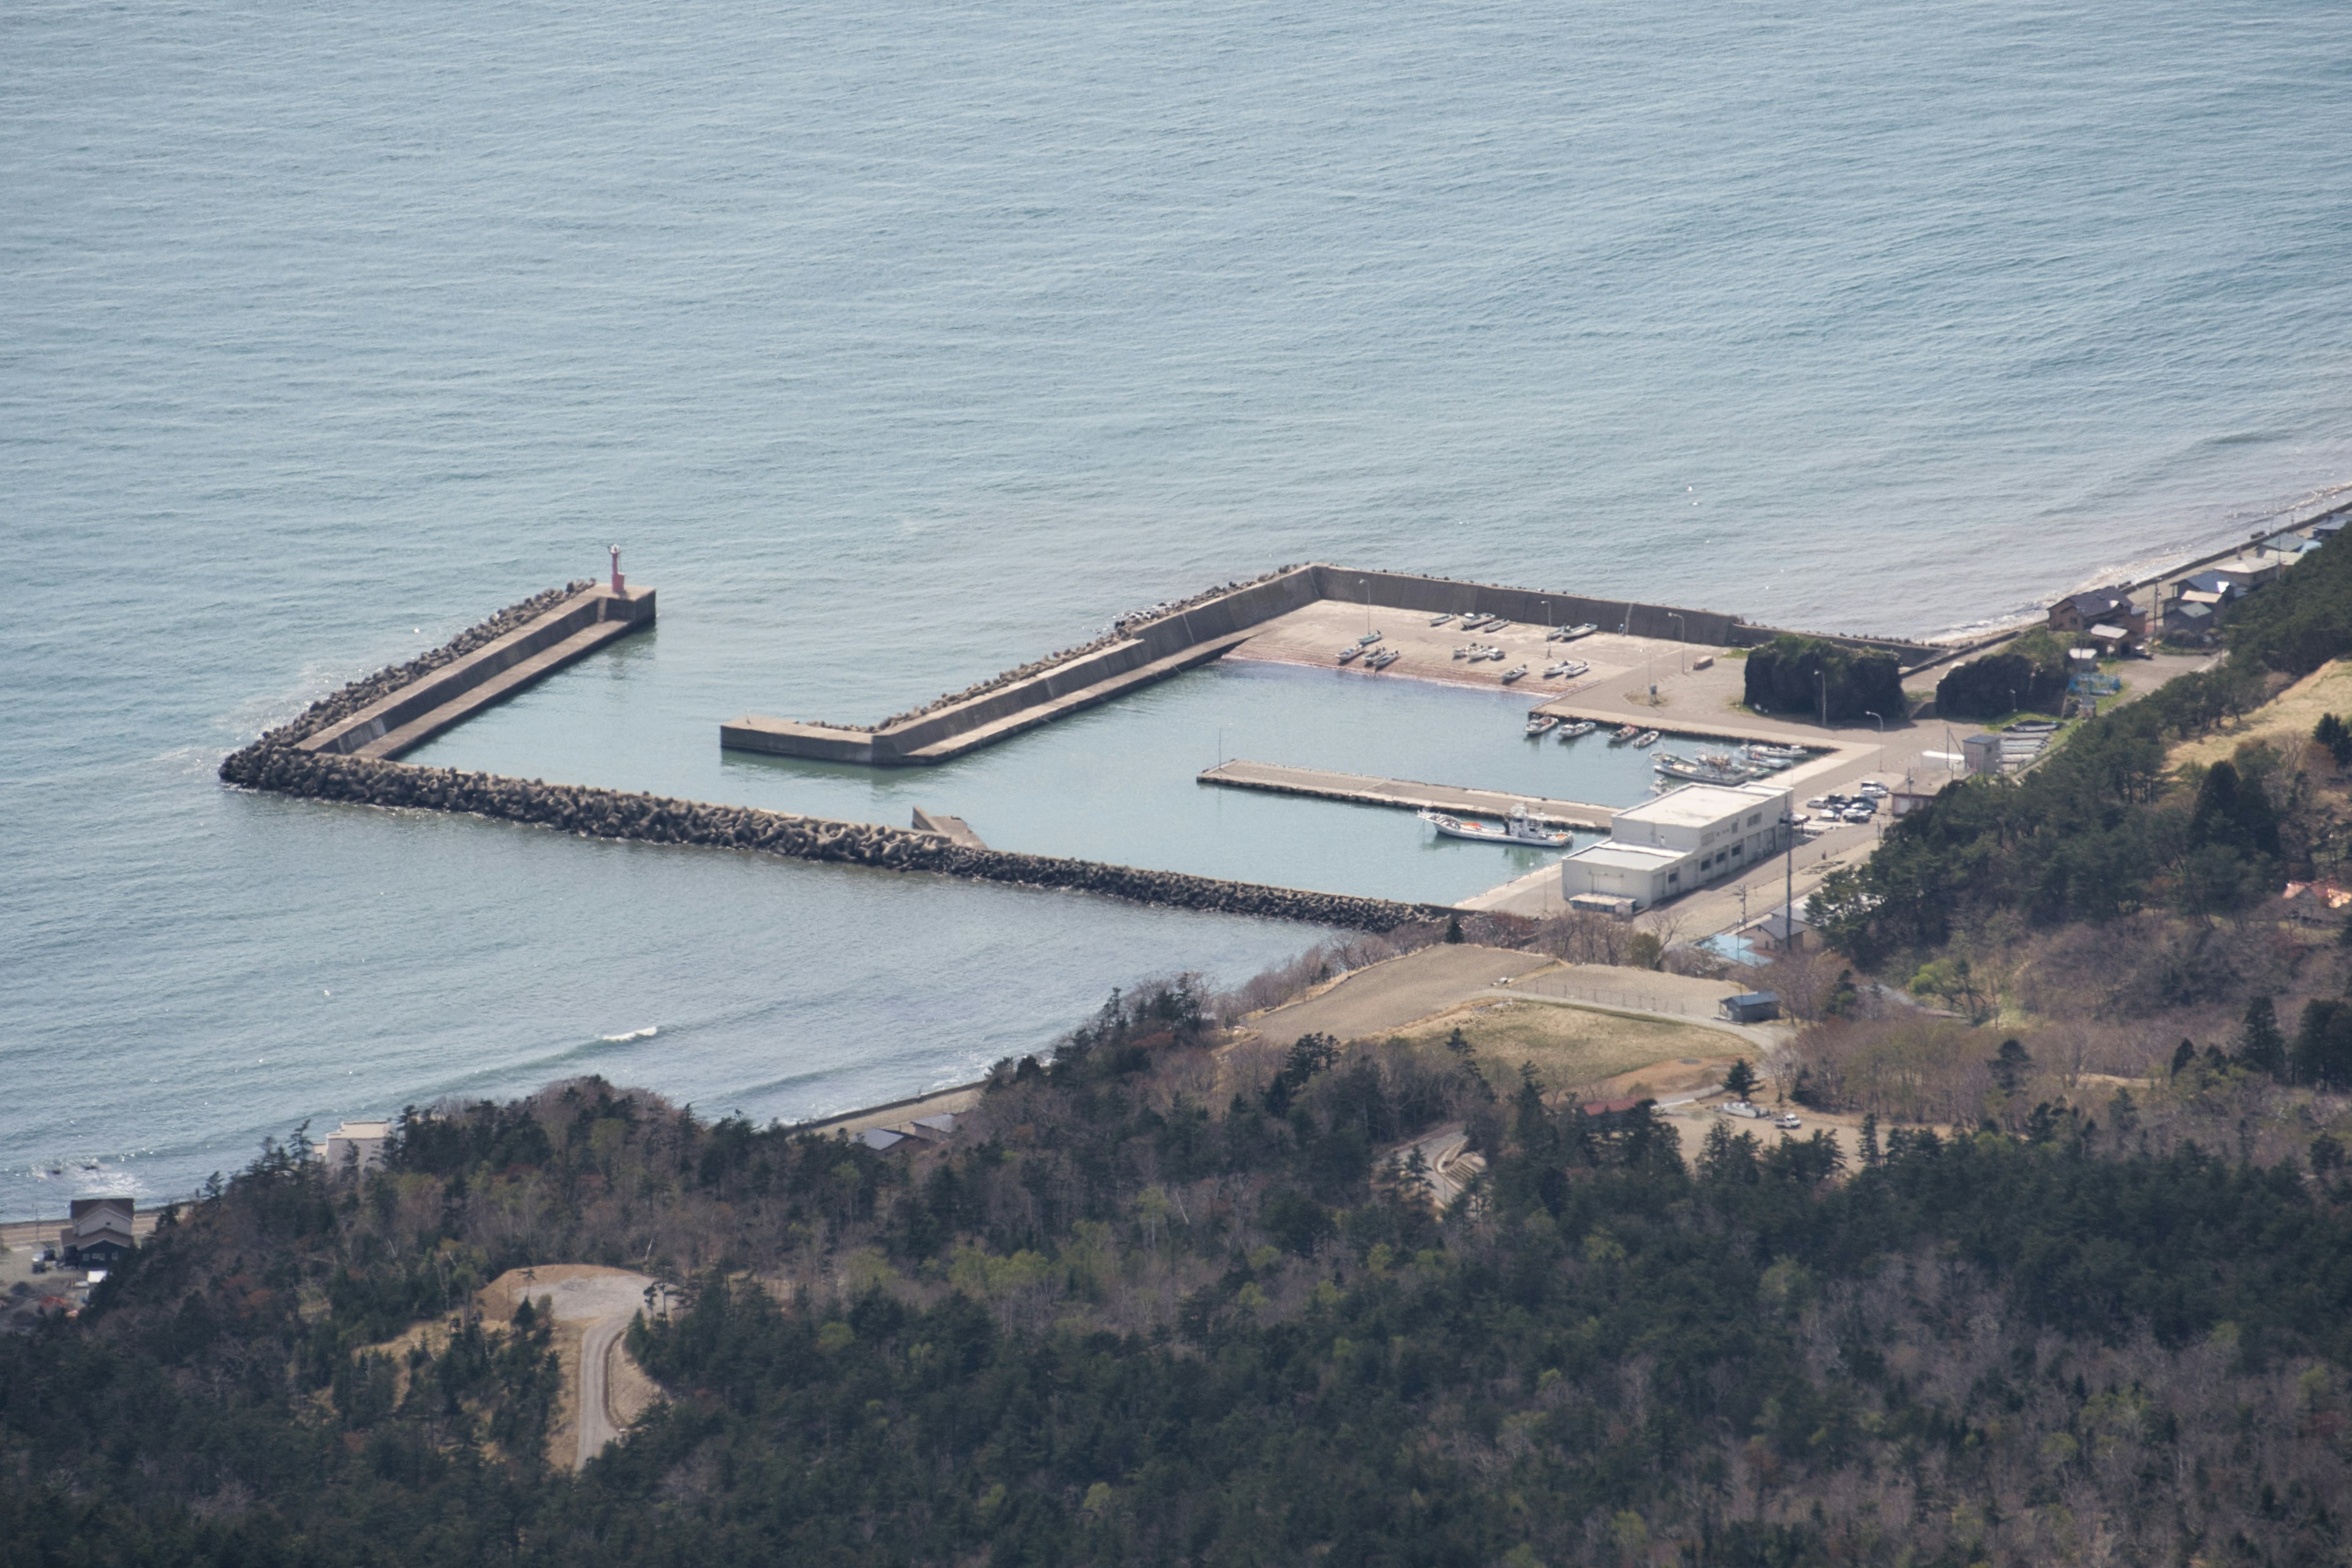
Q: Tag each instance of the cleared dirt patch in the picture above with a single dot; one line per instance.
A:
(1381, 1000)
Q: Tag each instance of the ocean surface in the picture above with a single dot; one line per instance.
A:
(899, 344)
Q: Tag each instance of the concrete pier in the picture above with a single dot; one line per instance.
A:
(1404, 794)
(403, 719)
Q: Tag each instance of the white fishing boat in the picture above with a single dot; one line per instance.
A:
(1577, 731)
(1623, 733)
(1516, 828)
(1647, 738)
(1572, 633)
(1383, 659)
(1368, 639)
(1350, 651)
(1513, 673)
(1441, 620)
(1540, 723)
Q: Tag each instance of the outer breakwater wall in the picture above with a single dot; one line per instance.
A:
(281, 762)
(659, 819)
(1193, 634)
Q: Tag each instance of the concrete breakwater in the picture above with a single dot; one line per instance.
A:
(1206, 627)
(659, 820)
(290, 761)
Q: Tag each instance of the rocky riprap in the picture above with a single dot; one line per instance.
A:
(275, 764)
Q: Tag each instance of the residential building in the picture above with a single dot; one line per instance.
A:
(2078, 613)
(1682, 839)
(98, 1232)
(358, 1144)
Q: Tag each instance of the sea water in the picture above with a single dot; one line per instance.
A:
(899, 344)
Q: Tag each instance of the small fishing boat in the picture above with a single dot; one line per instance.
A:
(1516, 828)
(1350, 652)
(1539, 723)
(1623, 733)
(1647, 738)
(1570, 669)
(1577, 731)
(1368, 639)
(1383, 659)
(1572, 633)
(1441, 620)
(1513, 673)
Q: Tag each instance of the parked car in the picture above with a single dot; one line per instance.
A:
(1787, 1119)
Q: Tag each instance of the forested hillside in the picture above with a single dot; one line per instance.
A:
(1157, 1303)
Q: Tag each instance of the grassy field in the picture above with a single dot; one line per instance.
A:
(1568, 1045)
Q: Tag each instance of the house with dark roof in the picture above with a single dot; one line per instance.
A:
(2077, 614)
(97, 1233)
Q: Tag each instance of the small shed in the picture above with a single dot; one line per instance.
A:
(1752, 1006)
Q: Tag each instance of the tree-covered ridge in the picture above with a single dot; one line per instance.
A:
(2100, 830)
(1159, 1302)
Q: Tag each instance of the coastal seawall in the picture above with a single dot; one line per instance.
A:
(304, 758)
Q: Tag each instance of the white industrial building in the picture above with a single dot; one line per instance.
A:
(1680, 840)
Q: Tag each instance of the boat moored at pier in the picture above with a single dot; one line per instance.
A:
(1519, 828)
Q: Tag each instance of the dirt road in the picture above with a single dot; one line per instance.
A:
(600, 1302)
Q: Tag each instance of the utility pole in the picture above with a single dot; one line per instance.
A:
(1789, 886)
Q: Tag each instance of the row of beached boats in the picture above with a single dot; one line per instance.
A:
(1475, 621)
(1378, 658)
(1744, 764)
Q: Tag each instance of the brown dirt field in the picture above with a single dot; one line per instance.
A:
(1570, 1048)
(2285, 721)
(1384, 998)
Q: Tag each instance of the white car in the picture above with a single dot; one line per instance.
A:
(1787, 1119)
(1873, 789)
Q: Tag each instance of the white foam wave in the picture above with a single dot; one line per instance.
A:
(647, 1033)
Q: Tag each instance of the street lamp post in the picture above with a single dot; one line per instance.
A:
(1881, 724)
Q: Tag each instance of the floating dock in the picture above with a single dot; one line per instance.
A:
(1403, 793)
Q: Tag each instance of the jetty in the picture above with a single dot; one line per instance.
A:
(1404, 794)
(1170, 639)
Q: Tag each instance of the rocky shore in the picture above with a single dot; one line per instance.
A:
(273, 763)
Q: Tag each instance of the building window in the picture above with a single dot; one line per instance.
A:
(1754, 818)
(1674, 876)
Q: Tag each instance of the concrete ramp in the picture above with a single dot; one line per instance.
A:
(952, 829)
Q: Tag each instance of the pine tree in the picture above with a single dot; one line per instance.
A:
(2260, 1045)
(1741, 1080)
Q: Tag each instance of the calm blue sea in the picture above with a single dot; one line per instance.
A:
(899, 343)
